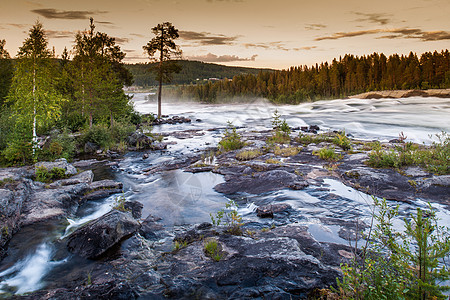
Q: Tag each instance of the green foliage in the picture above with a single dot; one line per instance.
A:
(230, 217)
(19, 149)
(179, 245)
(286, 152)
(400, 265)
(281, 130)
(435, 158)
(342, 141)
(248, 154)
(327, 154)
(231, 140)
(119, 204)
(44, 175)
(6, 72)
(211, 249)
(62, 145)
(100, 135)
(313, 138)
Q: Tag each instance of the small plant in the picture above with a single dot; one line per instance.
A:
(179, 245)
(313, 139)
(231, 218)
(400, 265)
(212, 249)
(342, 141)
(327, 154)
(272, 161)
(281, 130)
(286, 152)
(43, 175)
(248, 154)
(231, 140)
(119, 204)
(6, 181)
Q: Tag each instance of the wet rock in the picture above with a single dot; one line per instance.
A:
(151, 229)
(83, 177)
(135, 208)
(96, 237)
(145, 156)
(101, 189)
(140, 140)
(105, 291)
(268, 211)
(88, 163)
(46, 204)
(59, 163)
(260, 182)
(158, 146)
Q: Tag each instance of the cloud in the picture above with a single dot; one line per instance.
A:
(275, 46)
(59, 34)
(315, 26)
(408, 33)
(378, 18)
(207, 38)
(122, 40)
(223, 58)
(50, 13)
(137, 34)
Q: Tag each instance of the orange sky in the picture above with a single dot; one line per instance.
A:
(255, 33)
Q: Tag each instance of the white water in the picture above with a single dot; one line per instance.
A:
(417, 117)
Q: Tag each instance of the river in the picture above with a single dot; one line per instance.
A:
(37, 255)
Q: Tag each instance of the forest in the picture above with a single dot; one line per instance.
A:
(44, 99)
(190, 72)
(342, 77)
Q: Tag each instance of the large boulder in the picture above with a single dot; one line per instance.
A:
(96, 237)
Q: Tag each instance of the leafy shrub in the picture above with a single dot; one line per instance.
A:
(100, 135)
(43, 175)
(400, 265)
(231, 140)
(212, 249)
(435, 158)
(327, 154)
(229, 215)
(342, 141)
(121, 130)
(248, 154)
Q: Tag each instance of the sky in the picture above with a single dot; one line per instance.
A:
(253, 33)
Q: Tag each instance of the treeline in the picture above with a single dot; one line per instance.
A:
(42, 95)
(190, 72)
(347, 76)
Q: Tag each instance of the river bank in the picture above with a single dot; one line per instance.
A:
(396, 94)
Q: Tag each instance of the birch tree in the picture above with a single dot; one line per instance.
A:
(33, 96)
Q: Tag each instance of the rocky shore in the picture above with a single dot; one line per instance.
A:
(440, 93)
(283, 261)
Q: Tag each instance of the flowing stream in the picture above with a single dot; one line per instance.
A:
(37, 253)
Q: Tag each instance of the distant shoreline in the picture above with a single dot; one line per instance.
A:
(440, 93)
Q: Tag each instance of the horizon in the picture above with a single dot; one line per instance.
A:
(242, 33)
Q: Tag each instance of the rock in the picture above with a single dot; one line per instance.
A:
(84, 177)
(45, 204)
(415, 172)
(140, 140)
(101, 189)
(96, 237)
(151, 229)
(260, 182)
(267, 211)
(158, 146)
(89, 163)
(145, 156)
(135, 208)
(59, 163)
(90, 147)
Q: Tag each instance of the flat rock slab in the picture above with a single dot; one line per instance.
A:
(260, 182)
(96, 237)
